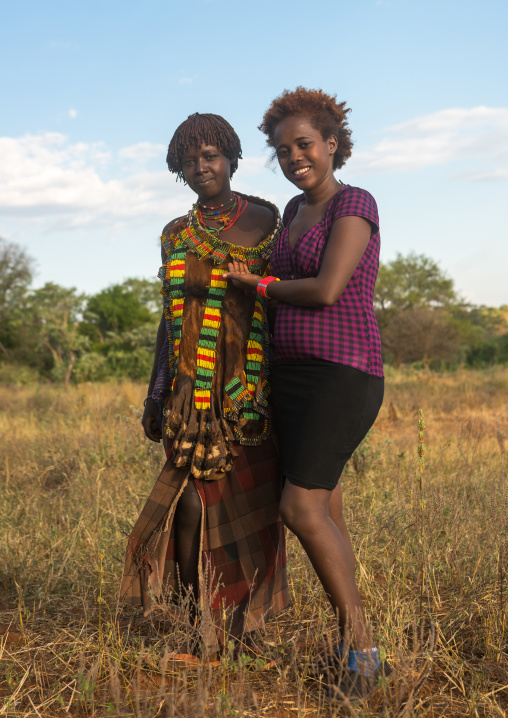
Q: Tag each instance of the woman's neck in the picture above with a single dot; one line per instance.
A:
(221, 198)
(323, 193)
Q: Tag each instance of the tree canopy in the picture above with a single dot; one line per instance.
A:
(412, 281)
(118, 309)
(57, 333)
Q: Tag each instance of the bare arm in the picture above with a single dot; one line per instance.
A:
(346, 246)
(150, 419)
(159, 342)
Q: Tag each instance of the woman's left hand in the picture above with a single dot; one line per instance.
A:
(240, 275)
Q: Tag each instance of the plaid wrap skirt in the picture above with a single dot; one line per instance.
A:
(242, 565)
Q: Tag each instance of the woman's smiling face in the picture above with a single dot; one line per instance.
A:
(305, 158)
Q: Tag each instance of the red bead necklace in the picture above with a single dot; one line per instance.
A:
(220, 208)
(227, 221)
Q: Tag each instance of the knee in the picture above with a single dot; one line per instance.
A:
(287, 515)
(299, 518)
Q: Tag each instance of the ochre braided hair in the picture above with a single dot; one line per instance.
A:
(203, 129)
(324, 113)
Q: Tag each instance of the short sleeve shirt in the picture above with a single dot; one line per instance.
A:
(346, 332)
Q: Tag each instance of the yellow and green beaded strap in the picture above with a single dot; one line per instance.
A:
(207, 342)
(173, 278)
(246, 403)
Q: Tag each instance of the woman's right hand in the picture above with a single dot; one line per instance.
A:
(150, 420)
(240, 275)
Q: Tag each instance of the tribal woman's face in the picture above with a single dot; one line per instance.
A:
(207, 172)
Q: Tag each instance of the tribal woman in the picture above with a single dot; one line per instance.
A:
(327, 375)
(210, 529)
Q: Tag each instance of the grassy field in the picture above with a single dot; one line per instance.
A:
(432, 548)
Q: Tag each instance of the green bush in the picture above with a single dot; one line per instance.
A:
(492, 351)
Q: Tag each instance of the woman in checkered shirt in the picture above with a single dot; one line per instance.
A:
(327, 375)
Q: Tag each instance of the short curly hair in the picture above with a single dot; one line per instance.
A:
(324, 112)
(203, 129)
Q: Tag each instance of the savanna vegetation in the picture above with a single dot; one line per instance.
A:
(427, 501)
(55, 333)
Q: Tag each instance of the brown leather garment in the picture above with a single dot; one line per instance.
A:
(204, 439)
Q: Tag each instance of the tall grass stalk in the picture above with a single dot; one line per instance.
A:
(100, 600)
(421, 503)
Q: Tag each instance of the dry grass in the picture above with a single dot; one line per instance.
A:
(74, 472)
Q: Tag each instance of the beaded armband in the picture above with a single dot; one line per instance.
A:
(263, 284)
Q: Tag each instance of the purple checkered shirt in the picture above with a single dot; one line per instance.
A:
(346, 332)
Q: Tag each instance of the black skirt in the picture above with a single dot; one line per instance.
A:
(321, 412)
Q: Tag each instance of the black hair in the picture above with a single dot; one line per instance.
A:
(203, 129)
(325, 114)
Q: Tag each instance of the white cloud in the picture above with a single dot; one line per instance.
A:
(478, 134)
(143, 151)
(73, 113)
(497, 175)
(185, 80)
(251, 167)
(47, 179)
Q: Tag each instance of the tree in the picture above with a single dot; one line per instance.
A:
(488, 342)
(412, 281)
(126, 354)
(116, 309)
(414, 302)
(421, 334)
(147, 291)
(16, 270)
(55, 313)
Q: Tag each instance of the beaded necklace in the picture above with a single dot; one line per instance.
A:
(209, 208)
(202, 242)
(219, 213)
(227, 221)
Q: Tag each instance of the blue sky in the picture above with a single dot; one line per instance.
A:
(92, 93)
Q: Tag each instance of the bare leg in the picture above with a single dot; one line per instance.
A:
(307, 514)
(335, 510)
(187, 538)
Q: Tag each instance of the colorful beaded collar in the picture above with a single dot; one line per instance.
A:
(204, 244)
